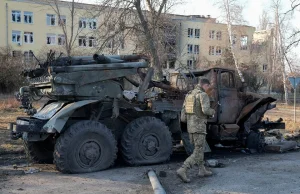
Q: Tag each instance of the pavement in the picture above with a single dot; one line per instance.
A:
(243, 174)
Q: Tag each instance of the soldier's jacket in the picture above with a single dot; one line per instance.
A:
(197, 109)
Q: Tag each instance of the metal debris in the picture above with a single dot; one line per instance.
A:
(157, 187)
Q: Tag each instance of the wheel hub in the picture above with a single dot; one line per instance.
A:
(89, 153)
(149, 145)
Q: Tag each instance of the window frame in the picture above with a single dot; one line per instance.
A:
(190, 49)
(51, 35)
(189, 63)
(92, 21)
(219, 35)
(214, 51)
(218, 48)
(28, 37)
(20, 14)
(83, 41)
(28, 56)
(231, 81)
(265, 67)
(198, 50)
(47, 19)
(93, 39)
(17, 33)
(83, 21)
(61, 37)
(244, 42)
(62, 18)
(190, 32)
(212, 34)
(198, 34)
(28, 13)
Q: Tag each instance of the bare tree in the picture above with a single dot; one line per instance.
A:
(232, 13)
(70, 28)
(280, 50)
(144, 21)
(264, 20)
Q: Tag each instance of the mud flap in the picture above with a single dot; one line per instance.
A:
(190, 147)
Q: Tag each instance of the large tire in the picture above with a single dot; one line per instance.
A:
(40, 152)
(256, 141)
(86, 146)
(146, 140)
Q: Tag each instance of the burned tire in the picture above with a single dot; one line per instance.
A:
(146, 140)
(40, 152)
(256, 141)
(86, 146)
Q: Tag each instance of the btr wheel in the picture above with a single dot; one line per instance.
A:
(86, 146)
(256, 141)
(40, 152)
(146, 140)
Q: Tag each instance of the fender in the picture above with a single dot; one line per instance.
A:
(58, 121)
(250, 108)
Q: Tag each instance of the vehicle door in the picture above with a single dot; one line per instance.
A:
(228, 98)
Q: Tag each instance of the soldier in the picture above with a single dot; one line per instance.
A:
(197, 109)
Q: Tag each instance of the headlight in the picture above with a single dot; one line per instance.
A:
(21, 122)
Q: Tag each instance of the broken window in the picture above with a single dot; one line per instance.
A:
(28, 37)
(51, 39)
(16, 16)
(227, 80)
(218, 50)
(16, 36)
(197, 33)
(28, 17)
(61, 39)
(189, 48)
(196, 49)
(82, 41)
(51, 20)
(212, 34)
(93, 24)
(219, 35)
(190, 32)
(189, 64)
(82, 23)
(211, 50)
(62, 20)
(244, 42)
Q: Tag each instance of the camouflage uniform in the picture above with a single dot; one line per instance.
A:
(197, 109)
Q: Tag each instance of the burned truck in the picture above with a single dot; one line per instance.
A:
(90, 116)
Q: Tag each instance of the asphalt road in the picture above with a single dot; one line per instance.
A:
(256, 173)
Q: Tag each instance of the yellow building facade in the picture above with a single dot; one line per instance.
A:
(202, 39)
(34, 25)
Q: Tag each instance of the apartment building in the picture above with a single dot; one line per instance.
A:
(262, 49)
(202, 40)
(34, 25)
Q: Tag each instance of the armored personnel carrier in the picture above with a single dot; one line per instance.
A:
(90, 116)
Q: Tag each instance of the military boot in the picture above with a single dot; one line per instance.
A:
(181, 173)
(204, 172)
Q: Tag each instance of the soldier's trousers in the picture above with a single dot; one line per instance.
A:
(197, 157)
